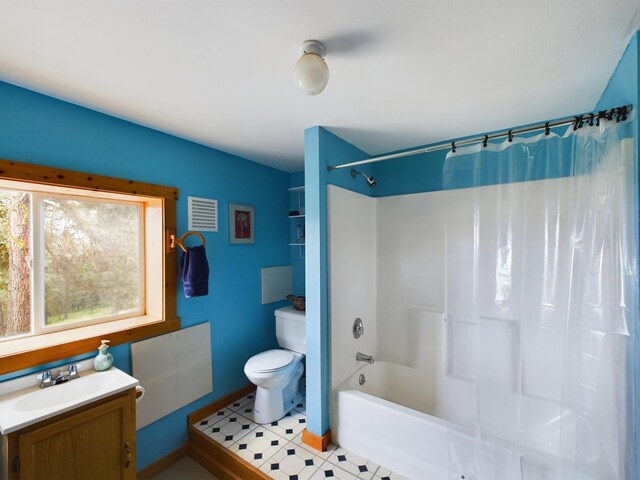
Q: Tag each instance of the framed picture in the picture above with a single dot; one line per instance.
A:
(241, 224)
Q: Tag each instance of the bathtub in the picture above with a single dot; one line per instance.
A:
(381, 420)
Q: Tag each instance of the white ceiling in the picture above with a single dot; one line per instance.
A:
(402, 72)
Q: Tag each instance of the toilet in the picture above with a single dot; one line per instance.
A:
(276, 373)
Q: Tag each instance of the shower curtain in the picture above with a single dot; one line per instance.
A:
(542, 306)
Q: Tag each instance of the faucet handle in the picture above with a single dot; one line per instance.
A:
(73, 370)
(44, 378)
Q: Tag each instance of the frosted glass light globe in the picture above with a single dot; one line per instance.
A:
(311, 73)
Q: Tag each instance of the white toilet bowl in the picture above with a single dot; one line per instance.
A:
(276, 373)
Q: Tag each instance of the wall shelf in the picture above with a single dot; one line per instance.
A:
(299, 218)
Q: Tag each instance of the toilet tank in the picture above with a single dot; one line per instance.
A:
(291, 329)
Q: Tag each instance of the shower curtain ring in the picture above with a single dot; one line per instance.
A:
(623, 113)
(453, 147)
(486, 139)
(510, 135)
(547, 130)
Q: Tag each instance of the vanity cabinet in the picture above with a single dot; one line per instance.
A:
(96, 441)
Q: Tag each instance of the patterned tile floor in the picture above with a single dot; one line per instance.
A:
(277, 450)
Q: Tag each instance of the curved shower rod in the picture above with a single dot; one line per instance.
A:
(578, 121)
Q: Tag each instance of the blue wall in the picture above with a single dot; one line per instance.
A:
(38, 129)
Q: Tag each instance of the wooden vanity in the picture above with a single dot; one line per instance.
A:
(78, 429)
(95, 441)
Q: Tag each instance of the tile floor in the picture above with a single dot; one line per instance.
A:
(277, 450)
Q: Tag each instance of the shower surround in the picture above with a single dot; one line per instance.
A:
(402, 264)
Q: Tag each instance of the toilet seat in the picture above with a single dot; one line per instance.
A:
(270, 361)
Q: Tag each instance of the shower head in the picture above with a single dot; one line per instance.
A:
(370, 181)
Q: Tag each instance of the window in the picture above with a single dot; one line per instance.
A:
(81, 258)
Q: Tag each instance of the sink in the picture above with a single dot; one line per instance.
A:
(58, 395)
(26, 404)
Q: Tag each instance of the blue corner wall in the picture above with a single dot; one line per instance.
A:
(38, 129)
(321, 149)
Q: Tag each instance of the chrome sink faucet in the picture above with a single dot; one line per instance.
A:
(62, 376)
(361, 357)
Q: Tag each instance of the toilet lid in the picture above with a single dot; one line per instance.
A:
(270, 361)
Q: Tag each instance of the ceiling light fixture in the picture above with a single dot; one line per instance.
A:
(311, 72)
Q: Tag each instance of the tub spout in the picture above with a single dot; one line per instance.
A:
(361, 357)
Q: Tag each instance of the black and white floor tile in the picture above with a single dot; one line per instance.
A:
(291, 425)
(258, 446)
(277, 449)
(232, 428)
(208, 422)
(291, 463)
(352, 463)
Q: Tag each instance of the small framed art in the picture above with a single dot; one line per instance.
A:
(241, 224)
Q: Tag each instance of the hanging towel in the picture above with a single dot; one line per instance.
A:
(195, 272)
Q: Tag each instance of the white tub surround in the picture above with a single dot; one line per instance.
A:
(505, 313)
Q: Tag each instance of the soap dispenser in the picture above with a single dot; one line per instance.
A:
(104, 360)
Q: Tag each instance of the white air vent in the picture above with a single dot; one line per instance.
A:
(203, 214)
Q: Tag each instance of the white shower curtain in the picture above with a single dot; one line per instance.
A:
(542, 306)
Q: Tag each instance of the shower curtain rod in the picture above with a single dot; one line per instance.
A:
(578, 121)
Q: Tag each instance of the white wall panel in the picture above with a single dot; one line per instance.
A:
(174, 369)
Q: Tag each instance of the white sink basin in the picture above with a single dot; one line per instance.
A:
(59, 395)
(25, 407)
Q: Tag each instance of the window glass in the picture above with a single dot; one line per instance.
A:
(92, 263)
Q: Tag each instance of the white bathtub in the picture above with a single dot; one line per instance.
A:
(371, 421)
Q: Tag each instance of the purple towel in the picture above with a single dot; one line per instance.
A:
(195, 272)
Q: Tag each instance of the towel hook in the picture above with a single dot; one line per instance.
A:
(180, 240)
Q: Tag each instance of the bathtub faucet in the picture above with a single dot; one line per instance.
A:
(361, 357)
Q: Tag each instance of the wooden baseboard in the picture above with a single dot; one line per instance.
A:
(315, 441)
(204, 412)
(165, 462)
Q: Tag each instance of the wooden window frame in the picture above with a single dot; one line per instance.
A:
(36, 350)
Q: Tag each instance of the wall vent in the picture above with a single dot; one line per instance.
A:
(203, 214)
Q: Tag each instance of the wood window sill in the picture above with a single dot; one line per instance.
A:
(35, 350)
